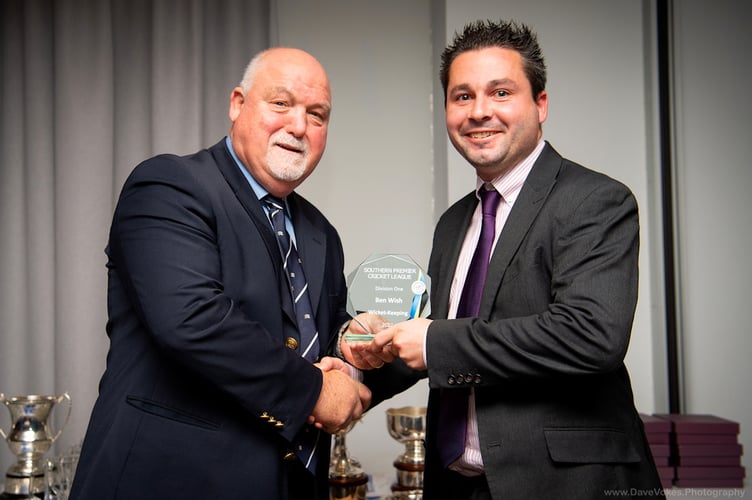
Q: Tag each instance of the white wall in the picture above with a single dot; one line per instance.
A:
(713, 184)
(375, 181)
(602, 94)
(597, 114)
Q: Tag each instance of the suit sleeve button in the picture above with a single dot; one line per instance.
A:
(451, 380)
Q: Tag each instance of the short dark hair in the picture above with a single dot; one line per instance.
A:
(504, 34)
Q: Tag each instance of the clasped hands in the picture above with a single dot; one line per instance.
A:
(343, 399)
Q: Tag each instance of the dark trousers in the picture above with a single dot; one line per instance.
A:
(302, 485)
(458, 487)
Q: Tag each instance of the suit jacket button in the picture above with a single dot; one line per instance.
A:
(460, 379)
(291, 343)
(290, 455)
(451, 380)
(478, 379)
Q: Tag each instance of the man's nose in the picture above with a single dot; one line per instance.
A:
(296, 124)
(481, 109)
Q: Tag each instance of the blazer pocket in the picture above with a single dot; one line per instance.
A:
(162, 410)
(590, 445)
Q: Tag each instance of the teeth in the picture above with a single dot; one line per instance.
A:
(481, 135)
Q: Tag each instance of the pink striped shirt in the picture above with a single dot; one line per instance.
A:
(509, 186)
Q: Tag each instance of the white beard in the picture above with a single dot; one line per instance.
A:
(286, 165)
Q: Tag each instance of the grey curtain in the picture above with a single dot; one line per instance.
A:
(88, 89)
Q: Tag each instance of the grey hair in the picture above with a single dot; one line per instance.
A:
(250, 71)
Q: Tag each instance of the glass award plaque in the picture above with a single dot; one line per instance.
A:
(393, 286)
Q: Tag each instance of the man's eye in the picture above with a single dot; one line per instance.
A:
(463, 97)
(317, 118)
(501, 93)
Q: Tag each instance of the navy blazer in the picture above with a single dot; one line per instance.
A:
(201, 398)
(555, 410)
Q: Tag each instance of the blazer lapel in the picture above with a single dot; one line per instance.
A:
(456, 225)
(252, 206)
(246, 197)
(534, 191)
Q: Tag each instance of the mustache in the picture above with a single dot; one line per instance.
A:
(282, 138)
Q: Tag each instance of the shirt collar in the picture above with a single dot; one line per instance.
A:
(258, 189)
(509, 184)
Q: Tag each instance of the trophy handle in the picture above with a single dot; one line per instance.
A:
(65, 395)
(2, 400)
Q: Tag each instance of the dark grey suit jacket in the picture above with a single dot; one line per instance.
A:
(201, 397)
(554, 403)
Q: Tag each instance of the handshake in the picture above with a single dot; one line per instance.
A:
(368, 343)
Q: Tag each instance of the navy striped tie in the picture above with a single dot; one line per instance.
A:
(292, 266)
(307, 440)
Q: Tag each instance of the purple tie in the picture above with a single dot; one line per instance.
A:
(453, 402)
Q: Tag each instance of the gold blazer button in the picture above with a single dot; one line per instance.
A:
(291, 343)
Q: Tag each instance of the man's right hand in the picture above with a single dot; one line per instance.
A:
(360, 355)
(342, 400)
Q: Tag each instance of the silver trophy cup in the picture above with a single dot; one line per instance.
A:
(408, 426)
(29, 438)
(347, 481)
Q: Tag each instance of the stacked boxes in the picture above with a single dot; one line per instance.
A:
(705, 451)
(658, 431)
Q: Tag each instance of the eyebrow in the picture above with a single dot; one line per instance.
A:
(459, 88)
(277, 91)
(502, 82)
(280, 90)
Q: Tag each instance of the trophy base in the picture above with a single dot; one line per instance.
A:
(348, 487)
(410, 475)
(409, 465)
(24, 486)
(401, 492)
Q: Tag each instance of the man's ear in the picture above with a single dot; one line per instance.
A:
(237, 99)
